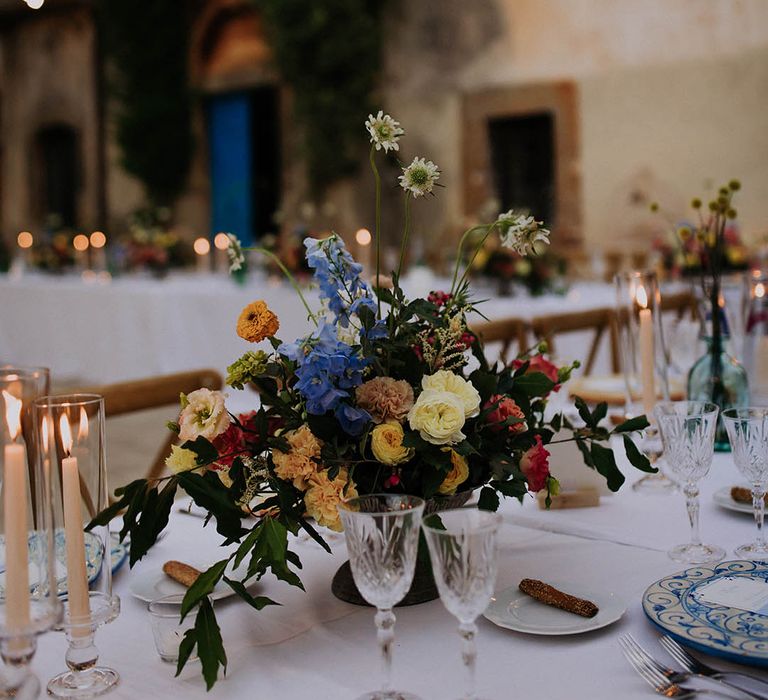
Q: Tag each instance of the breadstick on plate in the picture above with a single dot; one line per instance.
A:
(545, 593)
(185, 574)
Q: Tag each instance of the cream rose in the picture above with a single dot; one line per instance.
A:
(458, 474)
(387, 444)
(323, 497)
(443, 380)
(180, 460)
(438, 416)
(204, 414)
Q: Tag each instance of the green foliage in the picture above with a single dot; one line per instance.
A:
(146, 44)
(329, 53)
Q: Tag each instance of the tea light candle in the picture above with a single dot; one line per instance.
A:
(221, 243)
(98, 242)
(77, 579)
(16, 527)
(80, 243)
(364, 248)
(646, 353)
(202, 249)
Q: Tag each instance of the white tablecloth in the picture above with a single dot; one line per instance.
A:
(131, 328)
(314, 646)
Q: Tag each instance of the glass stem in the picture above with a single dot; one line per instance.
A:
(385, 626)
(758, 505)
(692, 505)
(468, 632)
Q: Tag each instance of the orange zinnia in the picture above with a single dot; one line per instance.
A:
(257, 322)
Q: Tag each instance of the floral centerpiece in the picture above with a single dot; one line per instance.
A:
(151, 245)
(385, 394)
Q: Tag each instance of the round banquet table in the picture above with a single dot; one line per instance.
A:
(314, 646)
(132, 327)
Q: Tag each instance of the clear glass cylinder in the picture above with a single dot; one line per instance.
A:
(642, 351)
(756, 339)
(29, 604)
(72, 446)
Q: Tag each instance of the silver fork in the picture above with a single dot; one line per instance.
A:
(679, 654)
(665, 681)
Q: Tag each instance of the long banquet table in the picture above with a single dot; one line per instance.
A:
(131, 328)
(314, 646)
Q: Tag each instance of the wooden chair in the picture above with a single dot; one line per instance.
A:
(506, 331)
(601, 321)
(681, 303)
(154, 392)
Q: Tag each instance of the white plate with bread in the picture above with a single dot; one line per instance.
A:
(158, 583)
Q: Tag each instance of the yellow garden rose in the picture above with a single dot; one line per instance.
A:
(387, 444)
(180, 460)
(323, 497)
(443, 380)
(458, 474)
(438, 416)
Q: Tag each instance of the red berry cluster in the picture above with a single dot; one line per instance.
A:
(439, 298)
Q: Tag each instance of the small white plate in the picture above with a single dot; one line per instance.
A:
(723, 498)
(153, 584)
(514, 610)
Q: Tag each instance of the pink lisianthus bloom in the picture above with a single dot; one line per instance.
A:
(535, 465)
(505, 407)
(539, 363)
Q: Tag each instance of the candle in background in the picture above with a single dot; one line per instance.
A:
(80, 243)
(647, 353)
(364, 249)
(25, 241)
(202, 249)
(221, 243)
(77, 579)
(16, 524)
(98, 242)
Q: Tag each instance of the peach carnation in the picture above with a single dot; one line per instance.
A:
(535, 465)
(323, 497)
(300, 463)
(385, 398)
(505, 407)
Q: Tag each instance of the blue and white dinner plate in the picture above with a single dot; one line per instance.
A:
(731, 633)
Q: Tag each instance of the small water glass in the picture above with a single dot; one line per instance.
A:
(688, 434)
(462, 547)
(382, 533)
(748, 433)
(168, 630)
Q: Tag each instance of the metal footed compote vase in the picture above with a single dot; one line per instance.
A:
(71, 434)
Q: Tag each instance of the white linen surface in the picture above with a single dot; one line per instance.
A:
(132, 328)
(314, 646)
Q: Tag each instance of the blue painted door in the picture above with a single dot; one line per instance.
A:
(231, 149)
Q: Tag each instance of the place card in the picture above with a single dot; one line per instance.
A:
(750, 594)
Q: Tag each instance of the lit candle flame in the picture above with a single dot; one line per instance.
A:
(45, 432)
(66, 434)
(641, 297)
(82, 432)
(12, 414)
(759, 290)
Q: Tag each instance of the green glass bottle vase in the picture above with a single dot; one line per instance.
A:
(721, 380)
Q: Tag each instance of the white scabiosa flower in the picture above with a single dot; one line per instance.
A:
(385, 132)
(419, 177)
(235, 253)
(521, 233)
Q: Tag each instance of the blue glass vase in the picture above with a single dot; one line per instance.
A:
(719, 378)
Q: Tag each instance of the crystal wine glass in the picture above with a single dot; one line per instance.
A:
(382, 533)
(462, 547)
(748, 432)
(688, 433)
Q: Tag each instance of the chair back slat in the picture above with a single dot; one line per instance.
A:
(507, 331)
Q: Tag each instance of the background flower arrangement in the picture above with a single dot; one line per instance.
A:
(386, 394)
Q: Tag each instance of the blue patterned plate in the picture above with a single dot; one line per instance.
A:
(731, 633)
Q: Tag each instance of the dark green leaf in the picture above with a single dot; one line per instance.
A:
(636, 423)
(204, 584)
(185, 649)
(585, 453)
(605, 463)
(514, 488)
(210, 648)
(242, 591)
(209, 493)
(601, 410)
(204, 449)
(636, 458)
(125, 495)
(556, 422)
(489, 499)
(584, 412)
(534, 384)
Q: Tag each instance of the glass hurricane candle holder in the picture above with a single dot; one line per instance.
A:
(644, 360)
(71, 442)
(29, 604)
